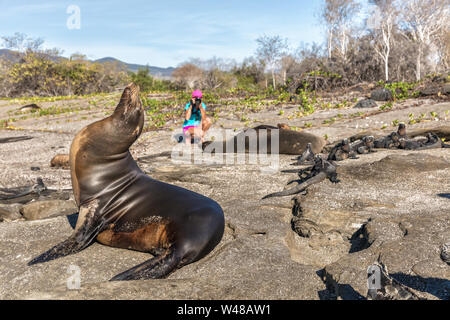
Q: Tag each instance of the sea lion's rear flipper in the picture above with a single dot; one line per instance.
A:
(156, 268)
(65, 248)
(86, 230)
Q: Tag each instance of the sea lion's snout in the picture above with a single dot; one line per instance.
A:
(129, 110)
(130, 103)
(131, 95)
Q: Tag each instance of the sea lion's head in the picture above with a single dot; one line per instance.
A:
(128, 117)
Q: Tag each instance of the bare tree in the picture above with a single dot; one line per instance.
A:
(338, 17)
(442, 45)
(288, 65)
(423, 20)
(188, 75)
(271, 50)
(383, 22)
(22, 43)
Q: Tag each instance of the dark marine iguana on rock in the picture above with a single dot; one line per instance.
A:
(392, 141)
(431, 142)
(307, 156)
(321, 170)
(346, 150)
(399, 140)
(13, 193)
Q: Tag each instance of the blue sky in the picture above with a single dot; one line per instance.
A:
(163, 33)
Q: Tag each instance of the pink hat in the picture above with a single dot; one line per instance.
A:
(197, 94)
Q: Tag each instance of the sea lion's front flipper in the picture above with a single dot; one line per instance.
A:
(86, 230)
(155, 268)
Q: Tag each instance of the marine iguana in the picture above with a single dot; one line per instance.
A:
(321, 170)
(37, 188)
(392, 141)
(307, 156)
(431, 142)
(342, 151)
(363, 146)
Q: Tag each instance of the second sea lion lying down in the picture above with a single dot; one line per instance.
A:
(289, 141)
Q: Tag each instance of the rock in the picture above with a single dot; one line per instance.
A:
(366, 103)
(429, 91)
(439, 79)
(394, 200)
(446, 89)
(388, 288)
(10, 212)
(381, 95)
(445, 252)
(47, 209)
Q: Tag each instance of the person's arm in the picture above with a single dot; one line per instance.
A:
(189, 112)
(203, 112)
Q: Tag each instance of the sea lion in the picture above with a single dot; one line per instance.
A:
(289, 141)
(120, 206)
(60, 161)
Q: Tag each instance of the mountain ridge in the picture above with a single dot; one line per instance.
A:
(154, 70)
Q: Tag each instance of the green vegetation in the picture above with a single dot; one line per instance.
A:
(147, 83)
(401, 90)
(386, 106)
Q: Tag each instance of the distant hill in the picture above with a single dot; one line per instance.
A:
(8, 54)
(154, 71)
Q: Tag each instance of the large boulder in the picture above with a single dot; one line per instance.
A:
(366, 103)
(10, 212)
(382, 95)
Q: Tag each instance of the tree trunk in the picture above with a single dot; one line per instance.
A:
(386, 70)
(273, 77)
(330, 39)
(418, 63)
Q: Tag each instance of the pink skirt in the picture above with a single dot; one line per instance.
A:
(185, 129)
